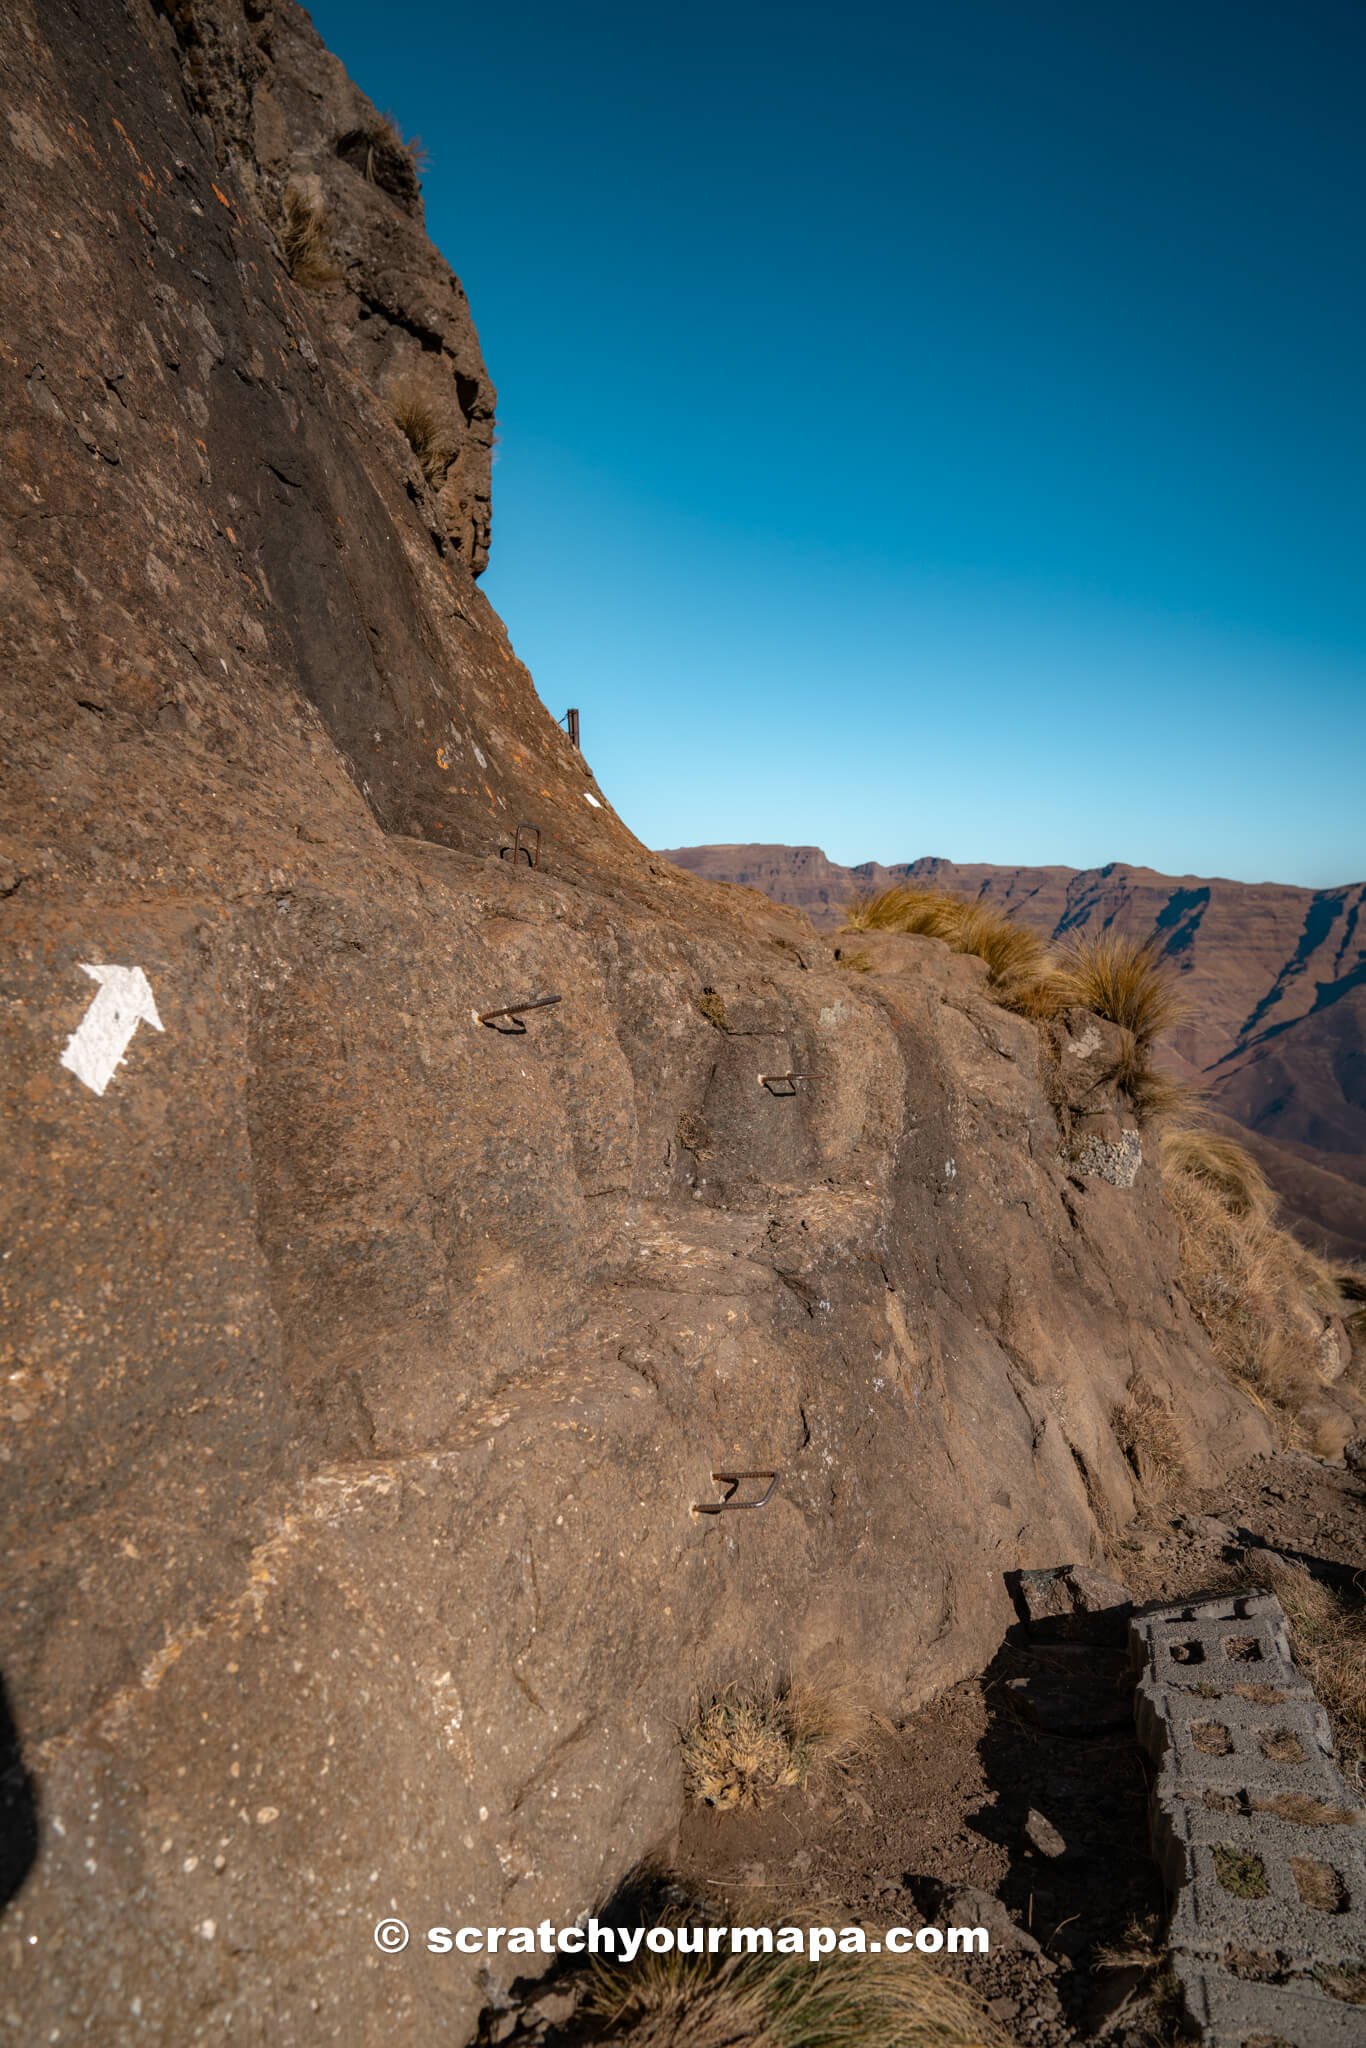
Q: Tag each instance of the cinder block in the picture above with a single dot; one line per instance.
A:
(1230, 1722)
(1250, 1650)
(1231, 2011)
(1204, 1607)
(1171, 1726)
(1207, 1914)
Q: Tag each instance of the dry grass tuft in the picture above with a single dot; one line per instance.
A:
(304, 239)
(1306, 1811)
(1150, 1437)
(858, 962)
(1330, 1641)
(1016, 958)
(1222, 1164)
(1140, 1947)
(747, 1743)
(1263, 1298)
(1346, 1981)
(784, 2001)
(1152, 1092)
(426, 432)
(1123, 980)
(713, 1008)
(385, 134)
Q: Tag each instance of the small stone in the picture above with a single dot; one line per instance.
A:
(1041, 1834)
(1093, 1592)
(965, 1906)
(1354, 1454)
(554, 2007)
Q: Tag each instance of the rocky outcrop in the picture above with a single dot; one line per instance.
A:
(364, 1361)
(1273, 979)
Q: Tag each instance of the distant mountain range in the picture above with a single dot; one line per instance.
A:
(1274, 977)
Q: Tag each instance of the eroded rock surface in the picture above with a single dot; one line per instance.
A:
(1273, 980)
(362, 1362)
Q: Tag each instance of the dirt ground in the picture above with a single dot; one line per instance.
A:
(1018, 1800)
(1027, 1786)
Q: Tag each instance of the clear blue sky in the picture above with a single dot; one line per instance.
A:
(934, 428)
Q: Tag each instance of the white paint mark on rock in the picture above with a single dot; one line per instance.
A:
(950, 1169)
(479, 755)
(98, 1043)
(589, 798)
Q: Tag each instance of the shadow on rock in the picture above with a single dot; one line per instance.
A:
(1068, 1790)
(18, 1808)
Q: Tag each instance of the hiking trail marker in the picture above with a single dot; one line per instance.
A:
(100, 1040)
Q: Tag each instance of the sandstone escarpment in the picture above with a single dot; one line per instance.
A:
(363, 1362)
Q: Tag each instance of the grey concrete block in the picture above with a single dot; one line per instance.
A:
(1183, 1727)
(1250, 1650)
(1204, 1607)
(1232, 2011)
(1207, 1915)
(1262, 1903)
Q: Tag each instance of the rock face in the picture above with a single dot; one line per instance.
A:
(363, 1361)
(1274, 980)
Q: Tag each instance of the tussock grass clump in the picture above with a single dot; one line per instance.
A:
(421, 423)
(1123, 980)
(748, 1742)
(385, 138)
(1330, 1641)
(1152, 1092)
(378, 151)
(1222, 1165)
(784, 2001)
(304, 239)
(1263, 1297)
(1017, 960)
(1150, 1437)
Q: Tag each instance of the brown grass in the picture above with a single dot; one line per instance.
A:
(748, 1742)
(305, 241)
(1150, 1437)
(385, 133)
(1221, 1164)
(860, 961)
(1152, 1092)
(1017, 960)
(1330, 1642)
(424, 429)
(1346, 1981)
(1306, 1811)
(1261, 1295)
(784, 2001)
(1123, 980)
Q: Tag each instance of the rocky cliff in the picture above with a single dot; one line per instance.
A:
(364, 1361)
(1273, 979)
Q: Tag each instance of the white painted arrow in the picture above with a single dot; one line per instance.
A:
(101, 1038)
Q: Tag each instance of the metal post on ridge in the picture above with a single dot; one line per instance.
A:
(570, 722)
